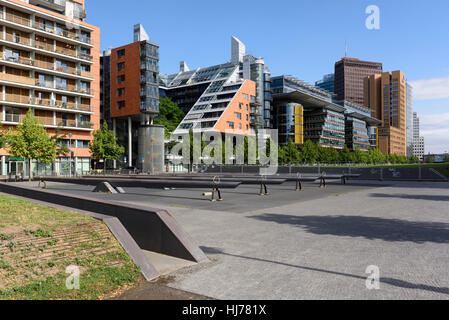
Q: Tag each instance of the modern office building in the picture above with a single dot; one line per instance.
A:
(349, 76)
(327, 83)
(386, 96)
(208, 94)
(130, 100)
(49, 60)
(303, 112)
(222, 100)
(410, 138)
(418, 148)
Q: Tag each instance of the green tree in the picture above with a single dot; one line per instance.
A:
(290, 153)
(104, 145)
(170, 116)
(31, 141)
(345, 155)
(309, 152)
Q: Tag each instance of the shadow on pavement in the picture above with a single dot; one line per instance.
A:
(411, 196)
(389, 281)
(392, 230)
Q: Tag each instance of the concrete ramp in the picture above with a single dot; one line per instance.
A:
(139, 230)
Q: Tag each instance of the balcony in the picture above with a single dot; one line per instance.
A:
(44, 46)
(16, 19)
(17, 79)
(17, 98)
(16, 39)
(15, 118)
(73, 124)
(46, 121)
(45, 27)
(85, 56)
(57, 5)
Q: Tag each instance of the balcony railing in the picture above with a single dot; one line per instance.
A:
(16, 78)
(16, 39)
(16, 19)
(44, 46)
(85, 56)
(16, 118)
(45, 27)
(46, 121)
(17, 98)
(44, 64)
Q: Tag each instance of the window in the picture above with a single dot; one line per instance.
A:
(120, 78)
(246, 97)
(120, 92)
(120, 105)
(120, 66)
(238, 115)
(61, 84)
(231, 124)
(61, 66)
(83, 144)
(120, 53)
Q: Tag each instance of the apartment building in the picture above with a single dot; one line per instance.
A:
(386, 96)
(349, 75)
(49, 63)
(130, 100)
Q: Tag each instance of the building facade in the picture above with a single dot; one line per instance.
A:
(349, 76)
(327, 83)
(410, 137)
(225, 105)
(207, 94)
(303, 112)
(386, 96)
(49, 60)
(130, 100)
(418, 147)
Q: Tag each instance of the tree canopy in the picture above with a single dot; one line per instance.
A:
(31, 141)
(104, 145)
(170, 116)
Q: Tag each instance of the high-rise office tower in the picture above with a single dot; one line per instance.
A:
(130, 100)
(418, 141)
(386, 96)
(327, 83)
(409, 120)
(49, 63)
(349, 75)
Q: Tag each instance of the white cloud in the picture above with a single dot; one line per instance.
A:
(435, 130)
(429, 89)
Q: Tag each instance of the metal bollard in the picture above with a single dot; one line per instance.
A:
(215, 188)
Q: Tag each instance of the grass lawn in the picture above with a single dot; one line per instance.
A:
(38, 243)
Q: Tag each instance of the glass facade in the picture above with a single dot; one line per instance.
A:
(357, 135)
(149, 74)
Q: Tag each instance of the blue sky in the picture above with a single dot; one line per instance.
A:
(299, 38)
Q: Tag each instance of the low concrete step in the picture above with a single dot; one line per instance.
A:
(166, 264)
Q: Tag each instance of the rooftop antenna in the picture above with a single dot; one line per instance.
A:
(346, 48)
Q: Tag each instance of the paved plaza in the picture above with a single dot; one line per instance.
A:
(315, 244)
